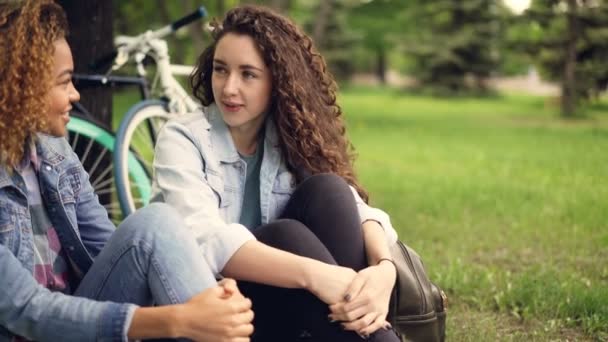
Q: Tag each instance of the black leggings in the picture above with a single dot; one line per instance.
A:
(321, 222)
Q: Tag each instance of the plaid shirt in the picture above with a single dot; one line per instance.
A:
(50, 267)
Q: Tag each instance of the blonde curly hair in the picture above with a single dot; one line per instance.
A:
(304, 107)
(28, 30)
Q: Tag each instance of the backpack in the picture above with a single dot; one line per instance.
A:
(417, 308)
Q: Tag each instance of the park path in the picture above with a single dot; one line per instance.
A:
(529, 84)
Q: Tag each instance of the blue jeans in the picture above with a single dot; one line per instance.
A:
(151, 259)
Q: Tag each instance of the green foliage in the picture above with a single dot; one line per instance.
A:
(336, 38)
(454, 44)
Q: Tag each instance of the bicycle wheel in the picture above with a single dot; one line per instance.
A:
(94, 145)
(137, 133)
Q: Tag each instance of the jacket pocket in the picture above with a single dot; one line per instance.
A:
(70, 185)
(217, 185)
(282, 189)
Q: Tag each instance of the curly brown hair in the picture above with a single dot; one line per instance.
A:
(303, 101)
(28, 30)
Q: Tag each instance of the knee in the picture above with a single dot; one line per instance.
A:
(158, 214)
(283, 232)
(326, 183)
(153, 220)
(294, 237)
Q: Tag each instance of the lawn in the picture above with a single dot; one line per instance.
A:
(506, 203)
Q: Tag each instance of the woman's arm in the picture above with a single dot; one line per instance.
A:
(30, 310)
(219, 313)
(376, 245)
(368, 213)
(257, 262)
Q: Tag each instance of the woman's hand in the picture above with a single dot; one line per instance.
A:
(365, 305)
(330, 282)
(221, 313)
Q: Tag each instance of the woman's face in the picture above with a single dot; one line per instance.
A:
(241, 82)
(62, 92)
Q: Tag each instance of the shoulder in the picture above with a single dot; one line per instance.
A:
(183, 133)
(193, 121)
(54, 148)
(193, 125)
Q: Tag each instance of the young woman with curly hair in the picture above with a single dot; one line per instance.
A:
(264, 178)
(66, 273)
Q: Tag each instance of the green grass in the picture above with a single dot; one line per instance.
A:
(506, 203)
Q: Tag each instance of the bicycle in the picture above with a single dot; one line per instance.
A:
(130, 183)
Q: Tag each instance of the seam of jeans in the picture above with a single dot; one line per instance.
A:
(163, 279)
(117, 256)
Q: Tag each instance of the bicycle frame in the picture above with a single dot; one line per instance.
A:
(97, 80)
(150, 43)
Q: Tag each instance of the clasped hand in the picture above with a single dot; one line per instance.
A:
(220, 313)
(365, 305)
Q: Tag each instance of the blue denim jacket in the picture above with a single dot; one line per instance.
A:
(198, 171)
(27, 308)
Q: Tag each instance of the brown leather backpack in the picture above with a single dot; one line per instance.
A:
(417, 309)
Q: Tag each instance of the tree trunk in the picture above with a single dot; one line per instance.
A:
(569, 93)
(381, 64)
(90, 38)
(320, 25)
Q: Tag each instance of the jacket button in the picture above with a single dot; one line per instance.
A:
(71, 248)
(48, 168)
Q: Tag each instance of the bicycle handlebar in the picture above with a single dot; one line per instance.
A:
(104, 61)
(199, 13)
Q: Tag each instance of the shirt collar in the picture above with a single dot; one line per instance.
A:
(222, 142)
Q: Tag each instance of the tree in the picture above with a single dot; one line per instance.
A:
(455, 45)
(570, 46)
(282, 6)
(375, 24)
(90, 38)
(332, 36)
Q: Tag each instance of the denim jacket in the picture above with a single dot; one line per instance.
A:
(199, 172)
(27, 308)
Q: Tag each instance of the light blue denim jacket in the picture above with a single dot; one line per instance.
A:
(199, 172)
(27, 308)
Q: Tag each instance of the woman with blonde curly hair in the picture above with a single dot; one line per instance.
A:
(65, 274)
(264, 178)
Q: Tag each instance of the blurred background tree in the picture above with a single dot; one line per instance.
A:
(455, 44)
(568, 41)
(377, 29)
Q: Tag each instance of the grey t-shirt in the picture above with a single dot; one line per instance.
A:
(251, 214)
